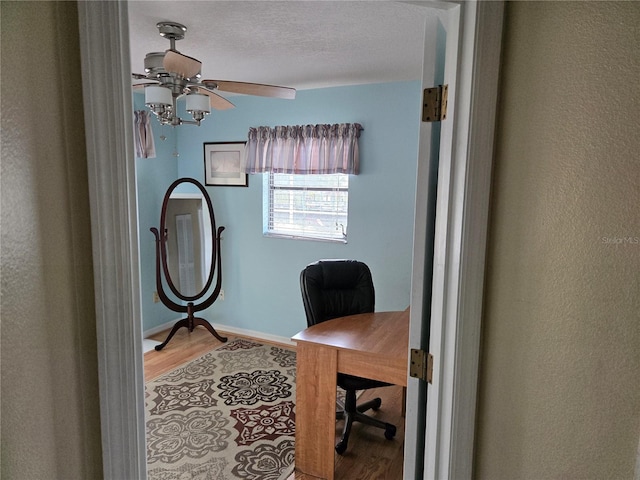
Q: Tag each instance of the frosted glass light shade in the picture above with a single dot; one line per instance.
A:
(198, 103)
(157, 96)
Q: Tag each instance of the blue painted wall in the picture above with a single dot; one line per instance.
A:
(261, 275)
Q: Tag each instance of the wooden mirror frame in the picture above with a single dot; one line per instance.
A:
(163, 245)
(162, 268)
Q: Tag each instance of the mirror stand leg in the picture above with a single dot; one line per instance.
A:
(207, 325)
(179, 324)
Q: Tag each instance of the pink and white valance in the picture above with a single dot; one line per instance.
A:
(303, 149)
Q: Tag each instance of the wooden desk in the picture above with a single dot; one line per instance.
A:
(371, 345)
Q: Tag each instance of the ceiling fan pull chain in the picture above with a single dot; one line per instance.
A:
(175, 144)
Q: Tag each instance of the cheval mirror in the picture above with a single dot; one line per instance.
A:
(188, 254)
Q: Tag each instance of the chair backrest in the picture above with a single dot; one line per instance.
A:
(336, 288)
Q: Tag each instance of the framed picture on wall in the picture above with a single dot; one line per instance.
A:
(223, 163)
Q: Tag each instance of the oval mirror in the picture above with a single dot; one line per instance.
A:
(188, 252)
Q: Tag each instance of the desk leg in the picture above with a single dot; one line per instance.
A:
(316, 410)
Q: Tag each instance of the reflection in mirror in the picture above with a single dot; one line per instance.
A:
(189, 242)
(188, 254)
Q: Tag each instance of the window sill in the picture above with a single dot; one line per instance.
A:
(299, 237)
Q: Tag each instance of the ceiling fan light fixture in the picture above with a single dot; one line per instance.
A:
(198, 102)
(160, 102)
(157, 96)
(198, 106)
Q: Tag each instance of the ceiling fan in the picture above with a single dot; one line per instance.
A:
(171, 75)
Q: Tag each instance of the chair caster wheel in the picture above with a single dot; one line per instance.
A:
(377, 404)
(390, 432)
(341, 447)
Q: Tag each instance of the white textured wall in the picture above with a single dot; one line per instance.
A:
(560, 371)
(50, 407)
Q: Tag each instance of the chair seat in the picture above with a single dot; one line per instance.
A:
(351, 382)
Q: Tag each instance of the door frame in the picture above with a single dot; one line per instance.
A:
(450, 235)
(460, 240)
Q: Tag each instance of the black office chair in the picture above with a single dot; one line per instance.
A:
(337, 288)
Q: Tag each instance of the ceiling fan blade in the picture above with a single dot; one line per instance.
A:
(136, 82)
(175, 62)
(216, 101)
(253, 89)
(139, 84)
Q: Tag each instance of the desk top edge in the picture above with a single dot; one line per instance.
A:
(325, 334)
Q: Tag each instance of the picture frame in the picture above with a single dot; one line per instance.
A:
(223, 164)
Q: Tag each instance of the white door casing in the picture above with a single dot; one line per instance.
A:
(108, 109)
(459, 241)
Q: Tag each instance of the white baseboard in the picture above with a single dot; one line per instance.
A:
(158, 329)
(148, 345)
(226, 329)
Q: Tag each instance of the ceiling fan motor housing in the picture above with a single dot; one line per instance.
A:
(153, 64)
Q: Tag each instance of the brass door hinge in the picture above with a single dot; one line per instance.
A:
(421, 365)
(434, 103)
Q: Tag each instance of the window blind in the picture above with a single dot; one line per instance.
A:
(308, 206)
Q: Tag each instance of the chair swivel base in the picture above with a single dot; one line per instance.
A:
(357, 415)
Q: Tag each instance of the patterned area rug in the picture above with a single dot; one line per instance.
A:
(229, 414)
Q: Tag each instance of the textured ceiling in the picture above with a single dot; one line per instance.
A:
(300, 44)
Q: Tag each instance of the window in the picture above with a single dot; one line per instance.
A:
(306, 206)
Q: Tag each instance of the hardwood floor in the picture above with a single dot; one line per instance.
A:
(369, 455)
